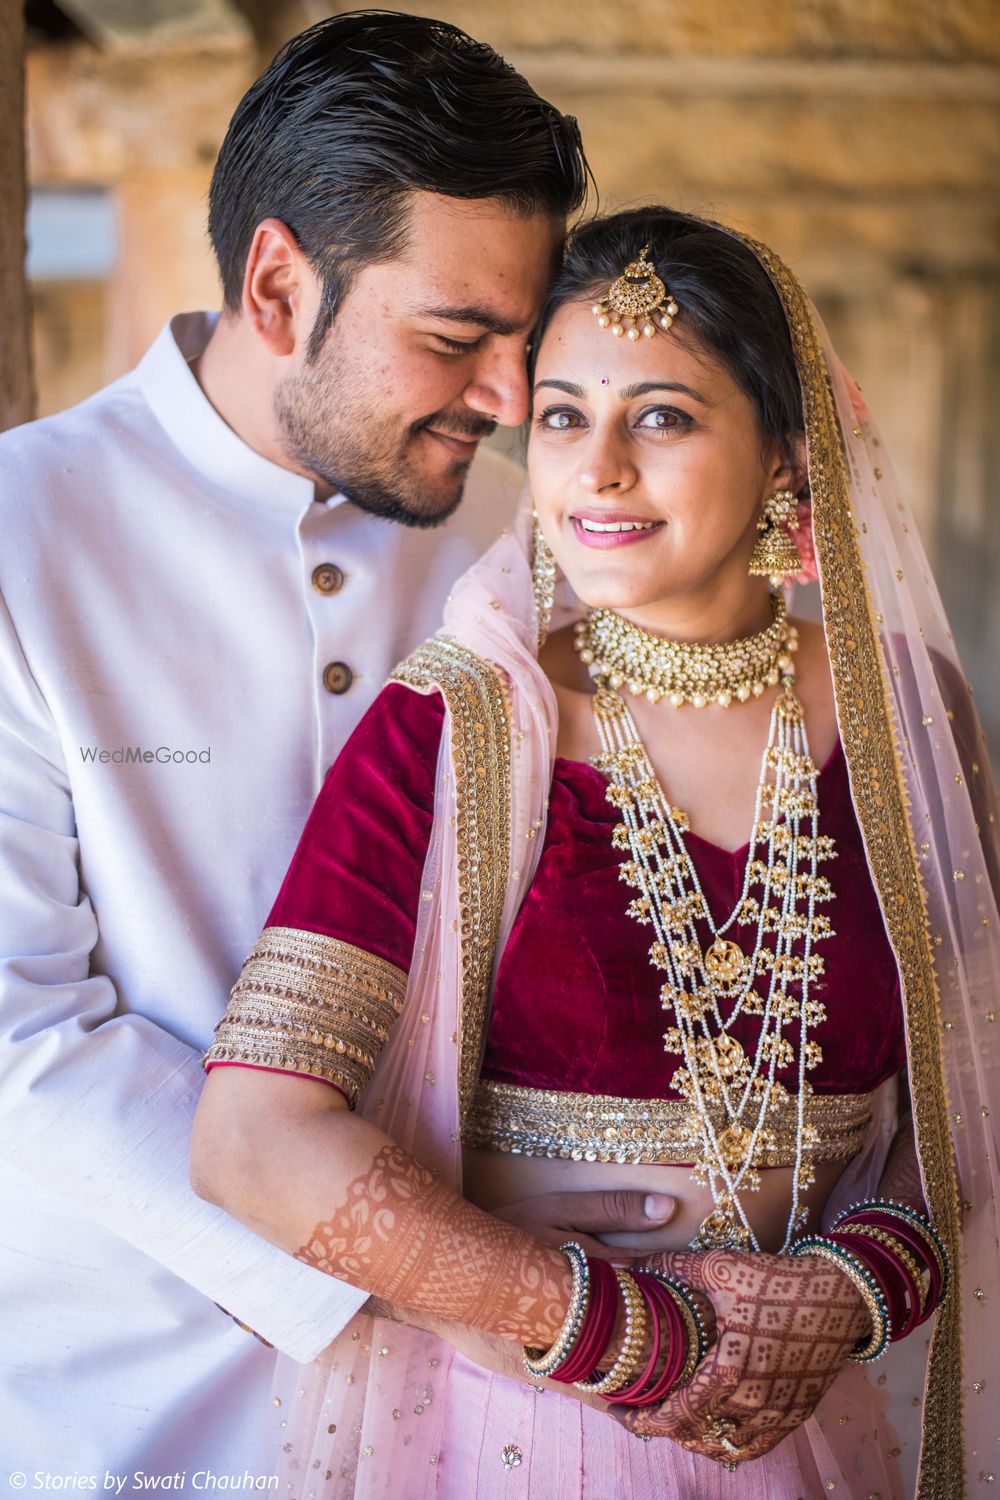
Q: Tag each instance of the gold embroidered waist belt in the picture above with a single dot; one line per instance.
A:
(665, 1132)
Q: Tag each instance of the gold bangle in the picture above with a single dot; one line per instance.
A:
(866, 1283)
(541, 1362)
(693, 1357)
(915, 1220)
(634, 1338)
(694, 1326)
(896, 1248)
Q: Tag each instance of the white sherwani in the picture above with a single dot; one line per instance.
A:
(174, 644)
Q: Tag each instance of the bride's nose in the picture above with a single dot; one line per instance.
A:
(606, 464)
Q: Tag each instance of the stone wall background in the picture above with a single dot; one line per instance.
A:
(860, 137)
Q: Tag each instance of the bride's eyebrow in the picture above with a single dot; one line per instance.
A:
(566, 386)
(646, 387)
(628, 392)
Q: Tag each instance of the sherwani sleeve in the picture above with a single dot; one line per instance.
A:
(97, 1104)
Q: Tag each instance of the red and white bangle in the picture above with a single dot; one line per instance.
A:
(659, 1315)
(896, 1247)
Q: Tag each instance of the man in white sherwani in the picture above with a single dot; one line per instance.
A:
(206, 573)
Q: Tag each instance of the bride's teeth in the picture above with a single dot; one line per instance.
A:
(617, 525)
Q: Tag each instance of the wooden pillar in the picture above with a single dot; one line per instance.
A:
(17, 397)
(165, 265)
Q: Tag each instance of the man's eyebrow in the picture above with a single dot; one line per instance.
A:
(482, 316)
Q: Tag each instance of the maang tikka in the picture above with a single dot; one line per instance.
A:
(638, 302)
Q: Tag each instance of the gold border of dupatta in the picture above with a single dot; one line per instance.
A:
(871, 745)
(473, 690)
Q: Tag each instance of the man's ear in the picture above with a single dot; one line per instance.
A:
(277, 285)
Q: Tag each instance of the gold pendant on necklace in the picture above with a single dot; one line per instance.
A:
(734, 1143)
(721, 1230)
(725, 962)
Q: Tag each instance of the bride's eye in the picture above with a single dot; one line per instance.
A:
(663, 419)
(558, 419)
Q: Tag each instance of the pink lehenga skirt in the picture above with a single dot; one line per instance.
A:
(389, 1412)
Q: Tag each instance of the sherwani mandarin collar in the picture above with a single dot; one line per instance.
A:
(198, 431)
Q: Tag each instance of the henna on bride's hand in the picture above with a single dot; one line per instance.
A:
(409, 1239)
(784, 1329)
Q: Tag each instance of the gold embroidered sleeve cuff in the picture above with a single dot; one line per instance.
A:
(307, 1003)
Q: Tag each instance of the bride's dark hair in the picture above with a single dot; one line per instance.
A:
(729, 306)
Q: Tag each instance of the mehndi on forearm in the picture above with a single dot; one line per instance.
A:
(406, 1237)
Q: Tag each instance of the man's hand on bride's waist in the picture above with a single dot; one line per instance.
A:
(557, 1217)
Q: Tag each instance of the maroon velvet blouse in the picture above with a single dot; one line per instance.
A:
(576, 1003)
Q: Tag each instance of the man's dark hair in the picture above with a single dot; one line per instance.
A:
(728, 303)
(358, 112)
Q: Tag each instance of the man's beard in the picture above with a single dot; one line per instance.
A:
(334, 432)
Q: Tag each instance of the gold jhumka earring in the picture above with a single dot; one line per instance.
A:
(638, 303)
(775, 554)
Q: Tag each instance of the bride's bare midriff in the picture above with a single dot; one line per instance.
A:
(496, 1179)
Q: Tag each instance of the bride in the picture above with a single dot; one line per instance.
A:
(630, 878)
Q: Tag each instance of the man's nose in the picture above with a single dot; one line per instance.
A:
(499, 387)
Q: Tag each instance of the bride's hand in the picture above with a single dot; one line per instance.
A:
(785, 1326)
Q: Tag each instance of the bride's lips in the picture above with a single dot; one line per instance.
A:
(611, 528)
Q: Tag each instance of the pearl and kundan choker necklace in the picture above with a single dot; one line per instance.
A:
(683, 672)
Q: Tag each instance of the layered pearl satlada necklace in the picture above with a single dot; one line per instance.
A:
(709, 981)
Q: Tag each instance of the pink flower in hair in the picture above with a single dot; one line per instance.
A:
(857, 400)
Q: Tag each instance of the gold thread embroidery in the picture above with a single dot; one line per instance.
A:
(480, 749)
(871, 744)
(666, 1132)
(543, 578)
(308, 1003)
